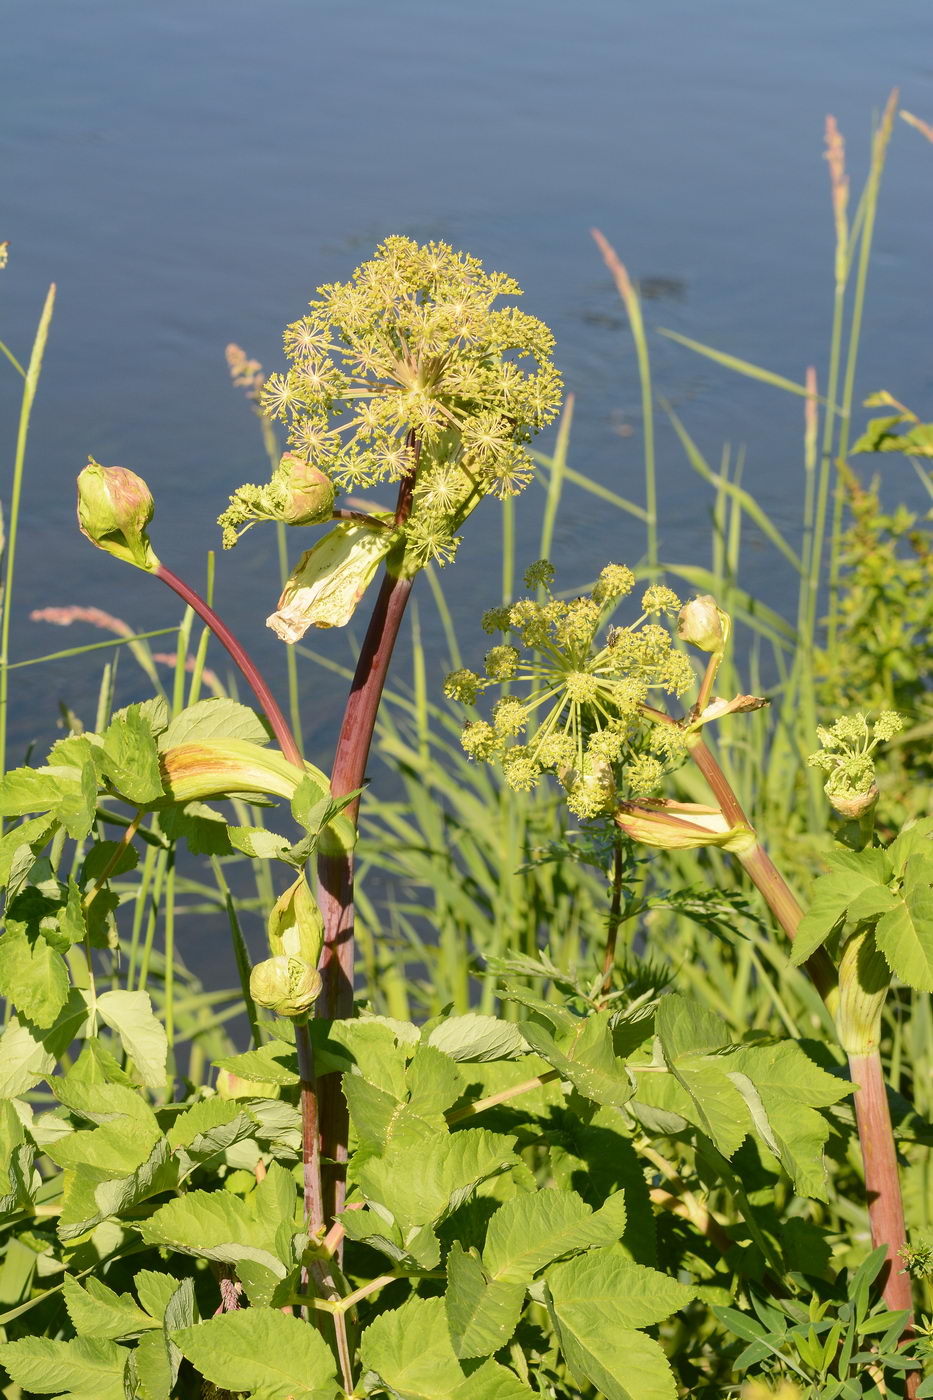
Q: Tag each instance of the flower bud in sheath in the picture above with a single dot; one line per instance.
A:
(301, 494)
(680, 826)
(114, 508)
(287, 986)
(704, 625)
(296, 927)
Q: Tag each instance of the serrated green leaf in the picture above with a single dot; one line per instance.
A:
(832, 895)
(216, 718)
(434, 1082)
(16, 1161)
(686, 1028)
(155, 1374)
(114, 1149)
(477, 1038)
(532, 1229)
(585, 1056)
(410, 1352)
(154, 1291)
(913, 840)
(421, 1185)
(130, 759)
(93, 1196)
(596, 1300)
(143, 1036)
(905, 934)
(33, 976)
(87, 1368)
(275, 1063)
(26, 839)
(100, 1102)
(96, 1311)
(259, 843)
(208, 1124)
(261, 1350)
(203, 830)
(482, 1313)
(24, 1059)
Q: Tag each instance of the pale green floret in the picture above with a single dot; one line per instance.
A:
(501, 663)
(463, 685)
(479, 740)
(615, 581)
(509, 717)
(521, 770)
(496, 620)
(581, 687)
(847, 756)
(657, 598)
(888, 723)
(542, 572)
(644, 775)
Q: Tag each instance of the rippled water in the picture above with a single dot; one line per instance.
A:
(188, 173)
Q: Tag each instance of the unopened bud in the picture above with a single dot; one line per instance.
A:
(114, 508)
(703, 624)
(296, 927)
(287, 986)
(680, 826)
(301, 494)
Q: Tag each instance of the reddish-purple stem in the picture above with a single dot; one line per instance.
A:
(248, 668)
(335, 873)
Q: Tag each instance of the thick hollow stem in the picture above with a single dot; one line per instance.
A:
(615, 918)
(762, 871)
(310, 1131)
(248, 668)
(882, 1183)
(335, 873)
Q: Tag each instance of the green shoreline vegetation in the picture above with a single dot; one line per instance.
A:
(595, 1061)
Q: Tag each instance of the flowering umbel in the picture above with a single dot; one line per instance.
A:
(409, 372)
(847, 756)
(583, 716)
(114, 508)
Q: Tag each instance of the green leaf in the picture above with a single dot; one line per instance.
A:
(905, 934)
(24, 1059)
(204, 830)
(832, 895)
(595, 1300)
(88, 1368)
(782, 1088)
(16, 1161)
(210, 1126)
(32, 975)
(532, 1229)
(913, 840)
(695, 1043)
(154, 1291)
(114, 1149)
(421, 1182)
(143, 1036)
(585, 1056)
(216, 718)
(68, 794)
(410, 1353)
(130, 758)
(93, 1196)
(434, 1082)
(217, 1225)
(23, 842)
(259, 843)
(96, 1311)
(261, 1350)
(482, 1313)
(275, 1063)
(473, 1037)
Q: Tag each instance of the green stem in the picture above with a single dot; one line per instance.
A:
(19, 461)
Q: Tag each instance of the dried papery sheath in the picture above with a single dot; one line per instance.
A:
(330, 580)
